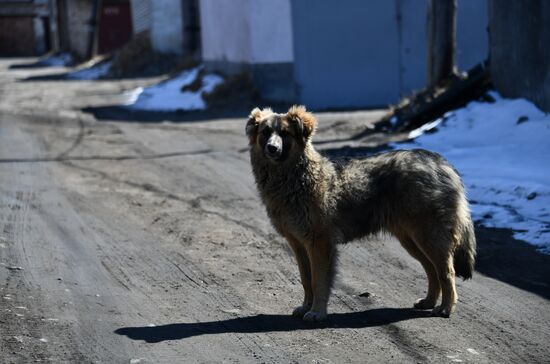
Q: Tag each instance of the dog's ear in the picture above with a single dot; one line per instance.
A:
(304, 121)
(253, 122)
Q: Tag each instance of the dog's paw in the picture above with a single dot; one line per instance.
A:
(441, 311)
(313, 316)
(424, 304)
(300, 311)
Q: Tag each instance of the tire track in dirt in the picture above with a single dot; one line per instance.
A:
(27, 332)
(150, 188)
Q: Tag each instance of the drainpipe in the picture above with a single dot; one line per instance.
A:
(93, 28)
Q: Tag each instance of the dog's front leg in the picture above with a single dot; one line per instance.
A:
(305, 275)
(322, 255)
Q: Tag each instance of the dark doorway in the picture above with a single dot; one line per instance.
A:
(115, 25)
(17, 36)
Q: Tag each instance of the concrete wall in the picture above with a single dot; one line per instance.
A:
(346, 56)
(141, 15)
(246, 31)
(167, 26)
(254, 36)
(79, 14)
(327, 54)
(39, 36)
(271, 32)
(225, 31)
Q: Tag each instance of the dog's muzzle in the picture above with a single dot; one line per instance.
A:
(274, 147)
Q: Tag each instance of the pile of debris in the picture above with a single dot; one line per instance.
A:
(432, 103)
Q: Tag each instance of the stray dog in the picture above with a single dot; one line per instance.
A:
(416, 195)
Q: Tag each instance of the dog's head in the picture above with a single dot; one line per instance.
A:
(277, 136)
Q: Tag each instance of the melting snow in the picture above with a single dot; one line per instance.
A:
(168, 96)
(57, 60)
(502, 151)
(92, 72)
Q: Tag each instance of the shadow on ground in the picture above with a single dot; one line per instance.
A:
(160, 67)
(125, 114)
(511, 261)
(270, 323)
(30, 65)
(64, 76)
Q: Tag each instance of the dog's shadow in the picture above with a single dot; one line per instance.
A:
(270, 323)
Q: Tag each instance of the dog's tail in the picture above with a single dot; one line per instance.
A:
(465, 253)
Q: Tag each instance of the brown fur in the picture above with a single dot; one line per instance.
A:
(316, 205)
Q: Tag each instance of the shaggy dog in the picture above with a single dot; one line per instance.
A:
(416, 195)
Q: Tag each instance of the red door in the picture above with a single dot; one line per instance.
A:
(115, 25)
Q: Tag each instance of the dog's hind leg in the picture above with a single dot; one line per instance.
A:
(322, 256)
(437, 246)
(305, 275)
(446, 275)
(433, 283)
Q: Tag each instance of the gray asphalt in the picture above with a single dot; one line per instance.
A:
(128, 242)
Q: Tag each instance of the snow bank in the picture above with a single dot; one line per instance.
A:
(57, 60)
(91, 72)
(168, 96)
(502, 151)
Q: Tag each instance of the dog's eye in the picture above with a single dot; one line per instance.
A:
(266, 132)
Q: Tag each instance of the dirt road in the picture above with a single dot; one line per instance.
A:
(124, 242)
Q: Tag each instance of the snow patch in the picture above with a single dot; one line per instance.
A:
(502, 151)
(424, 128)
(168, 95)
(91, 72)
(57, 60)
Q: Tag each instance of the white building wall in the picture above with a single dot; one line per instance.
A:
(167, 26)
(246, 31)
(141, 15)
(79, 13)
(271, 32)
(225, 30)
(39, 36)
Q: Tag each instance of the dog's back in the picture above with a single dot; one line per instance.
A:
(392, 188)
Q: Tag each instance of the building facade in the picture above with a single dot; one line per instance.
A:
(172, 25)
(251, 36)
(333, 55)
(25, 27)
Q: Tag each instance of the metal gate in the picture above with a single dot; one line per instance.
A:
(358, 53)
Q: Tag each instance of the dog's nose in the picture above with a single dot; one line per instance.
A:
(272, 149)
